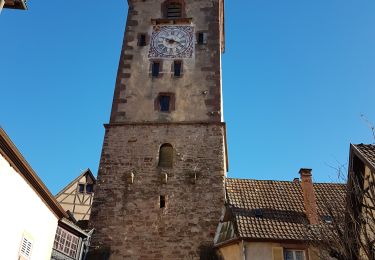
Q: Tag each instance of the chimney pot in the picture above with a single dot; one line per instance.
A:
(305, 172)
(309, 198)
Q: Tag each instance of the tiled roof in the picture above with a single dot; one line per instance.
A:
(368, 151)
(274, 209)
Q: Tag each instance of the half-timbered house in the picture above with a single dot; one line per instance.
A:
(77, 196)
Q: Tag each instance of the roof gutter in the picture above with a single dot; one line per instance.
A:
(243, 250)
(260, 240)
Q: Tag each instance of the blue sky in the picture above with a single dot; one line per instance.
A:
(297, 75)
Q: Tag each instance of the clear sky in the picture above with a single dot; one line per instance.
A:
(297, 75)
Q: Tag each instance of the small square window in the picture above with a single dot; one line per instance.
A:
(81, 188)
(177, 67)
(202, 38)
(142, 40)
(162, 201)
(89, 188)
(155, 69)
(164, 102)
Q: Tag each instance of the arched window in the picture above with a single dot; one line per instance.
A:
(173, 9)
(166, 155)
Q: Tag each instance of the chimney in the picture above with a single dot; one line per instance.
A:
(309, 199)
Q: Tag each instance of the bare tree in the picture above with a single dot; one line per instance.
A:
(347, 229)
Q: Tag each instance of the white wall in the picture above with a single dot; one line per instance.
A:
(22, 211)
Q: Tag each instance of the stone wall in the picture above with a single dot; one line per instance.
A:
(126, 211)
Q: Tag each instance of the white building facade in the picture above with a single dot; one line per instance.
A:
(30, 214)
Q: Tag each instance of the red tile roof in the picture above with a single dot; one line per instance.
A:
(274, 210)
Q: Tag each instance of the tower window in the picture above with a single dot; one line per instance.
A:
(162, 201)
(177, 68)
(174, 10)
(202, 38)
(164, 103)
(155, 69)
(166, 155)
(142, 39)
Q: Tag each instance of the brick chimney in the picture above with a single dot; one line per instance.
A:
(309, 199)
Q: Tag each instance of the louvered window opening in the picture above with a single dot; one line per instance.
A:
(26, 248)
(166, 156)
(174, 10)
(66, 242)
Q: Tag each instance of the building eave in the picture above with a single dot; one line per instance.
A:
(237, 240)
(357, 152)
(18, 162)
(19, 4)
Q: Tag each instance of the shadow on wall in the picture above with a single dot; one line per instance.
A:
(99, 254)
(208, 252)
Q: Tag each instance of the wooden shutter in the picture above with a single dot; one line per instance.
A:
(25, 250)
(277, 253)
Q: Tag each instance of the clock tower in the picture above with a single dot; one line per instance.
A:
(160, 188)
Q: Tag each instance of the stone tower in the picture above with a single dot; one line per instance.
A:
(160, 189)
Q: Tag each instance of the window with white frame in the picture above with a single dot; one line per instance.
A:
(65, 242)
(290, 254)
(25, 249)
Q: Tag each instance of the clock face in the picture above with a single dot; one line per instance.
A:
(172, 42)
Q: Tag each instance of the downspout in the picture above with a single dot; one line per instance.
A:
(243, 250)
(81, 246)
(86, 245)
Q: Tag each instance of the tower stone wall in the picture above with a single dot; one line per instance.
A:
(127, 213)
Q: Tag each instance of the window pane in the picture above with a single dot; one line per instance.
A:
(177, 68)
(89, 188)
(200, 38)
(155, 69)
(142, 40)
(164, 103)
(81, 188)
(288, 255)
(299, 255)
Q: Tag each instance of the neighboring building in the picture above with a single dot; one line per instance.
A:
(162, 170)
(30, 214)
(361, 204)
(13, 4)
(273, 220)
(71, 242)
(78, 195)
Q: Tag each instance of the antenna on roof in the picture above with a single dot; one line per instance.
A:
(370, 125)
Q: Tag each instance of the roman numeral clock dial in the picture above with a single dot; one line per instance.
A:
(172, 42)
